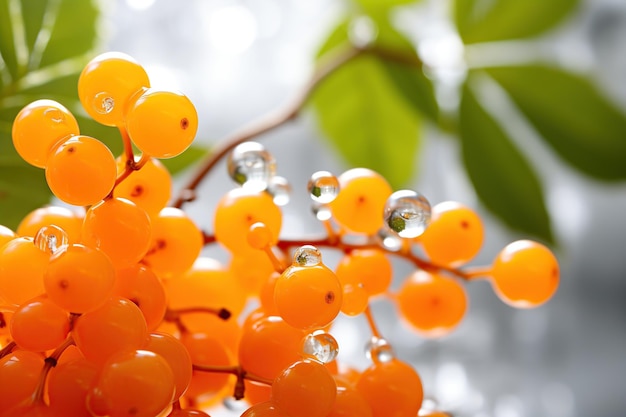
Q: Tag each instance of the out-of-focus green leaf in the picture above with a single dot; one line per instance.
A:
(360, 109)
(502, 177)
(367, 121)
(381, 6)
(185, 160)
(43, 45)
(414, 87)
(18, 197)
(7, 45)
(496, 20)
(572, 116)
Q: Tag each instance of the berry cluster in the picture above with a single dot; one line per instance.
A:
(111, 309)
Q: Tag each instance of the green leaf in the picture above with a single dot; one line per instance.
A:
(44, 45)
(571, 114)
(496, 20)
(18, 197)
(381, 6)
(185, 160)
(502, 177)
(366, 120)
(362, 112)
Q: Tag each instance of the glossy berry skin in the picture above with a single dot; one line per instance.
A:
(361, 200)
(162, 123)
(38, 127)
(305, 389)
(525, 274)
(111, 78)
(432, 304)
(308, 296)
(454, 236)
(392, 389)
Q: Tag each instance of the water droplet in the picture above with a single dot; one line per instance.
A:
(251, 166)
(55, 115)
(390, 240)
(280, 189)
(51, 238)
(307, 255)
(407, 213)
(323, 187)
(321, 211)
(320, 346)
(379, 350)
(103, 103)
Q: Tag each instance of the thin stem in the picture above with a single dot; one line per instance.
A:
(222, 313)
(239, 372)
(267, 123)
(370, 321)
(7, 349)
(50, 362)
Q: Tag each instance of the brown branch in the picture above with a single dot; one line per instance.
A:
(236, 370)
(273, 120)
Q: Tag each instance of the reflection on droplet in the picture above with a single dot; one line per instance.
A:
(251, 165)
(379, 350)
(323, 187)
(390, 240)
(280, 189)
(320, 346)
(103, 103)
(307, 255)
(407, 213)
(321, 211)
(51, 238)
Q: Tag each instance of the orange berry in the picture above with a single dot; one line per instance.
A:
(525, 274)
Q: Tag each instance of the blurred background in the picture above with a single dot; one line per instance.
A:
(239, 60)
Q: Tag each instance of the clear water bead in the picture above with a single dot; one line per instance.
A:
(320, 346)
(307, 255)
(251, 165)
(323, 187)
(321, 211)
(280, 190)
(390, 240)
(103, 103)
(379, 350)
(51, 238)
(407, 213)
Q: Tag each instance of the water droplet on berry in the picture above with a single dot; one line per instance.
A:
(251, 166)
(321, 211)
(103, 103)
(379, 350)
(55, 115)
(280, 189)
(407, 213)
(51, 238)
(323, 187)
(320, 346)
(307, 255)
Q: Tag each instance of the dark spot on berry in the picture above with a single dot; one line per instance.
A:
(329, 297)
(137, 191)
(465, 224)
(132, 411)
(435, 301)
(3, 322)
(71, 149)
(361, 199)
(249, 218)
(184, 123)
(161, 244)
(63, 284)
